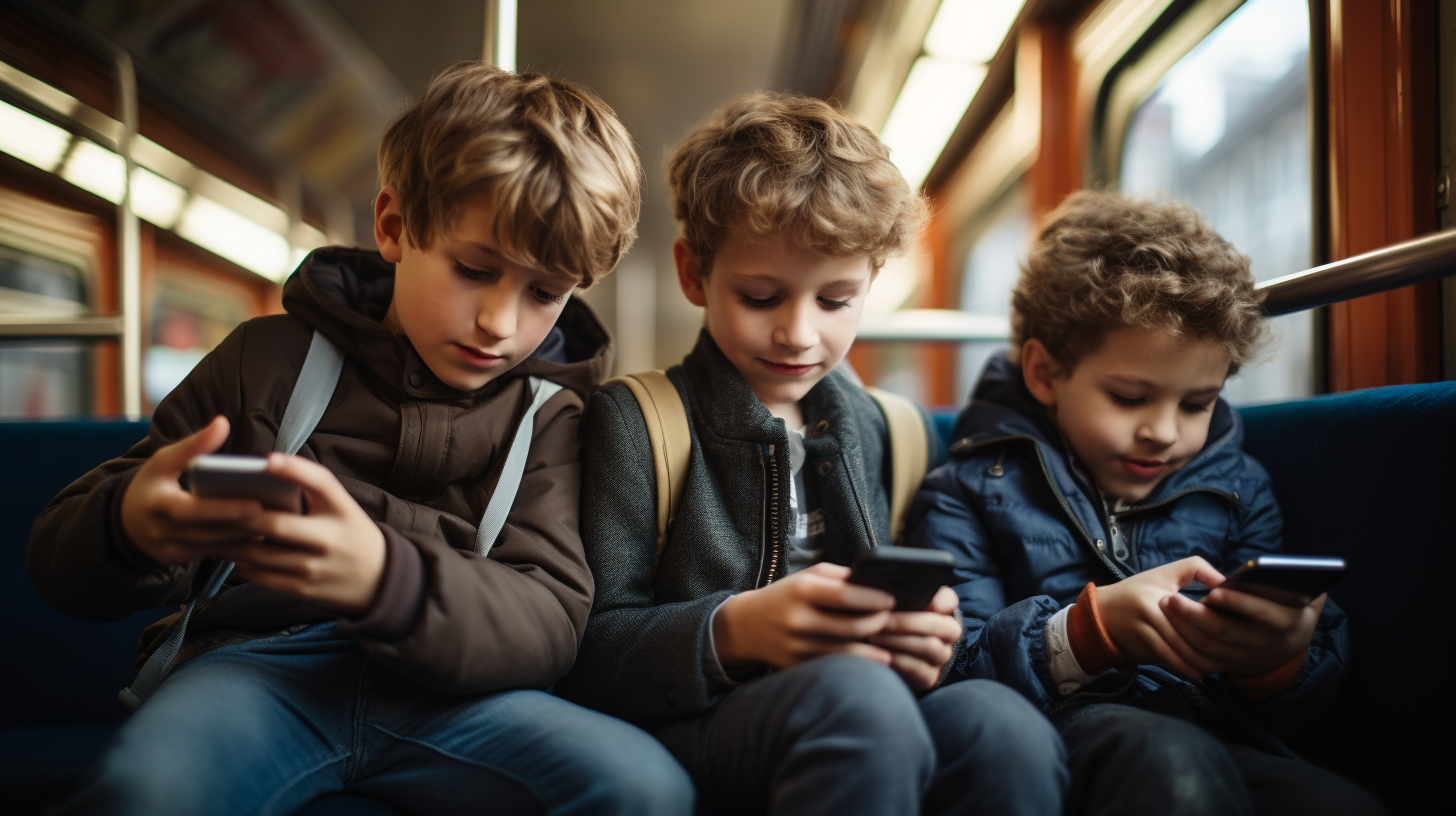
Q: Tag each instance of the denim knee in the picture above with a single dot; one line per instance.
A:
(992, 725)
(863, 699)
(641, 782)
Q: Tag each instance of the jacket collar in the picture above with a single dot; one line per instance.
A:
(344, 293)
(1002, 406)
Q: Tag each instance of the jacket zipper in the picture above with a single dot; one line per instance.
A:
(773, 516)
(1122, 543)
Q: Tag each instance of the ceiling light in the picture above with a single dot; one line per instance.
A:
(971, 30)
(97, 170)
(32, 139)
(156, 199)
(241, 240)
(927, 111)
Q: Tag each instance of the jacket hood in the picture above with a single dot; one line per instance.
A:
(1003, 406)
(344, 293)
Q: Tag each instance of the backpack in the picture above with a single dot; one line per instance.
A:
(667, 432)
(311, 393)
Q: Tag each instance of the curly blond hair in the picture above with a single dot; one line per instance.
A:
(783, 164)
(1104, 260)
(553, 161)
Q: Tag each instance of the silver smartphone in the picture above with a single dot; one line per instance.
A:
(227, 476)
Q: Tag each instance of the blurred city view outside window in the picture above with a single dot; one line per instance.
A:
(1226, 130)
(188, 318)
(998, 242)
(43, 377)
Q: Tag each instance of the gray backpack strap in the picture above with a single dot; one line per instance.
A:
(311, 393)
(499, 507)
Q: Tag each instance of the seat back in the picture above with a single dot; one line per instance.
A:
(1366, 475)
(60, 671)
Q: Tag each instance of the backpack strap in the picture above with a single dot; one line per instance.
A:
(509, 482)
(672, 446)
(311, 393)
(909, 455)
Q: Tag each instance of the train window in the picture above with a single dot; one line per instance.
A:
(1226, 129)
(189, 317)
(996, 246)
(43, 377)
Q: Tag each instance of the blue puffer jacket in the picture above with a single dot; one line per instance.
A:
(1028, 533)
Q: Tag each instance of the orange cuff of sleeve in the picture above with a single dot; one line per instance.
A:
(1266, 685)
(1091, 645)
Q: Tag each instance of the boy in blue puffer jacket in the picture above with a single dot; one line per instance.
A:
(1097, 475)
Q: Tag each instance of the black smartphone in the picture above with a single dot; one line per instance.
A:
(911, 574)
(222, 475)
(1292, 580)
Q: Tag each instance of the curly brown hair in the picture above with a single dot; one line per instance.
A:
(784, 164)
(554, 162)
(1104, 260)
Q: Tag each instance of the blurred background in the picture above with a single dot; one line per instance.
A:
(164, 164)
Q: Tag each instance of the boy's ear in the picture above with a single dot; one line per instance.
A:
(689, 273)
(388, 225)
(1038, 369)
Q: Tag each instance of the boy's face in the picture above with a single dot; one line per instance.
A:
(1136, 409)
(469, 313)
(784, 315)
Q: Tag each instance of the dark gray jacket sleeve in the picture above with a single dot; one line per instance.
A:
(642, 661)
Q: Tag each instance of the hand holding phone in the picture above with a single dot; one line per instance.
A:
(221, 475)
(171, 525)
(910, 574)
(1292, 580)
(1258, 618)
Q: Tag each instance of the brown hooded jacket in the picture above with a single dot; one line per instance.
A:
(420, 457)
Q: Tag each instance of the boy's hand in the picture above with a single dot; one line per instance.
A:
(1132, 611)
(173, 526)
(1267, 634)
(334, 555)
(810, 613)
(920, 643)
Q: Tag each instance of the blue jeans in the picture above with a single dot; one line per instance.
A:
(264, 726)
(845, 736)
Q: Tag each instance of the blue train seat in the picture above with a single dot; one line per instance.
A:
(1361, 475)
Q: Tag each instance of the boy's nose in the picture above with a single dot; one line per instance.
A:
(797, 330)
(1159, 428)
(497, 317)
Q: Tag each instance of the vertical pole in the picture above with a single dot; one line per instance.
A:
(487, 45)
(128, 244)
(500, 34)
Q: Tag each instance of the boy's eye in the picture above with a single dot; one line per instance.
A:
(1126, 402)
(831, 304)
(1196, 407)
(471, 273)
(759, 303)
(545, 296)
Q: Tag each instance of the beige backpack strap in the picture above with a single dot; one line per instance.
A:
(667, 431)
(909, 455)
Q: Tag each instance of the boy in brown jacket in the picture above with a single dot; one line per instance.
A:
(385, 643)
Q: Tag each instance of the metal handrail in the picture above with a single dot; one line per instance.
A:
(1392, 267)
(1387, 268)
(60, 326)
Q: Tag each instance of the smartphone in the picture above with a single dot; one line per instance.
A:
(911, 574)
(221, 475)
(1292, 580)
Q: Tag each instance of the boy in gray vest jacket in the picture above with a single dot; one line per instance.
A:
(778, 684)
(370, 645)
